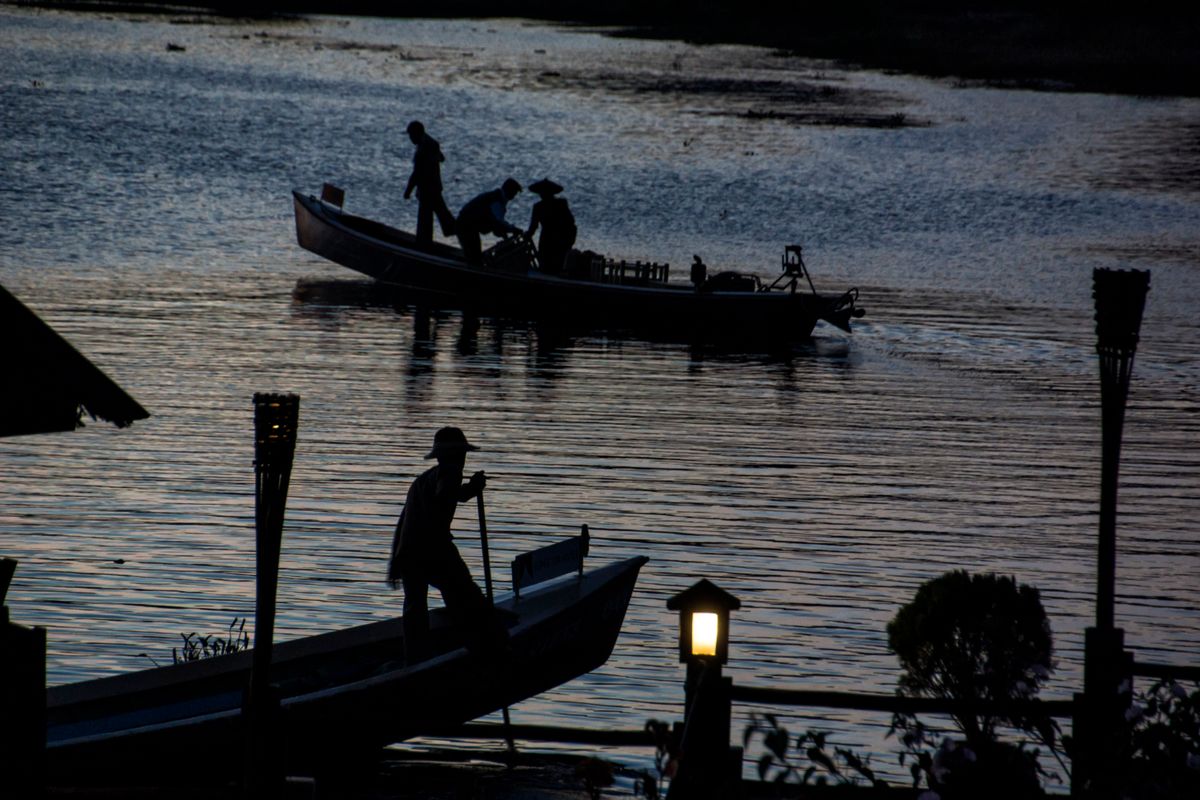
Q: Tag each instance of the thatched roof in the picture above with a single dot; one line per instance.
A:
(49, 384)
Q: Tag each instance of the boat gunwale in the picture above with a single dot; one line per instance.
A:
(164, 679)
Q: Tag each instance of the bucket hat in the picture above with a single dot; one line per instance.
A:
(450, 439)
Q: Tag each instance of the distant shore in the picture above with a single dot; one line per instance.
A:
(1146, 49)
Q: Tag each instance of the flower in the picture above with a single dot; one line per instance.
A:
(1193, 761)
(1179, 692)
(1134, 712)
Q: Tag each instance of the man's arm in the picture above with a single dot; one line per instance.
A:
(473, 487)
(535, 219)
(499, 223)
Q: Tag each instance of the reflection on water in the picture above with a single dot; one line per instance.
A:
(958, 427)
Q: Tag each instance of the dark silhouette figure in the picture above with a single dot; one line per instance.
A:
(557, 224)
(426, 179)
(699, 272)
(484, 213)
(424, 554)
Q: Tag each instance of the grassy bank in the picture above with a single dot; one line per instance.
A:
(1145, 49)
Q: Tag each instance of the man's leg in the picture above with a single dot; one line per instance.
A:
(444, 215)
(464, 600)
(551, 255)
(416, 618)
(467, 606)
(471, 246)
(424, 221)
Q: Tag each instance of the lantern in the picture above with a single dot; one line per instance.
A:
(704, 622)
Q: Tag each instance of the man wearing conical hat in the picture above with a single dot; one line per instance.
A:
(557, 222)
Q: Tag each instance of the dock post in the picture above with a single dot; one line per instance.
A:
(23, 698)
(710, 768)
(1120, 298)
(275, 420)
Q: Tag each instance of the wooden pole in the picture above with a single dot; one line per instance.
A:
(487, 563)
(1120, 298)
(22, 699)
(8, 566)
(487, 582)
(710, 768)
(275, 420)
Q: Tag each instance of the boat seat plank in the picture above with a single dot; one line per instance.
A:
(550, 561)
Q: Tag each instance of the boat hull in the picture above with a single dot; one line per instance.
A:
(339, 695)
(437, 275)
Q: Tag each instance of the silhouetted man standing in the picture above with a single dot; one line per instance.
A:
(423, 551)
(484, 213)
(426, 178)
(557, 224)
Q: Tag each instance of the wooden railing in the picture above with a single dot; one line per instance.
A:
(894, 704)
(635, 273)
(1166, 671)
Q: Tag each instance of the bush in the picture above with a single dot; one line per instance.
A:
(974, 639)
(1163, 756)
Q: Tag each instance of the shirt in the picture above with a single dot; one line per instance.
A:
(485, 213)
(428, 513)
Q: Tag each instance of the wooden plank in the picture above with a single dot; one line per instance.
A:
(892, 703)
(1166, 671)
(550, 561)
(544, 733)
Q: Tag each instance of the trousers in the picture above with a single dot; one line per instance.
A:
(429, 204)
(449, 574)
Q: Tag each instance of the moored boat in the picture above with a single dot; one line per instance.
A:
(339, 693)
(590, 290)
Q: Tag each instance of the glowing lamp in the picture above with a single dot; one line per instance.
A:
(704, 622)
(705, 625)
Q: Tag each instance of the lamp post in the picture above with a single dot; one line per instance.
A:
(1120, 298)
(709, 765)
(703, 627)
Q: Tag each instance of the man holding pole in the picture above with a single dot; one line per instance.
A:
(424, 554)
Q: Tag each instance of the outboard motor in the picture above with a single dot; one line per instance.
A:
(836, 312)
(841, 310)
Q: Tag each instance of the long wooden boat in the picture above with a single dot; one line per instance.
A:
(590, 290)
(343, 693)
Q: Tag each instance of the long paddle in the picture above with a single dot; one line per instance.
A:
(487, 564)
(487, 582)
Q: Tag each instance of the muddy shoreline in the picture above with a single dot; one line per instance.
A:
(1147, 52)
